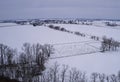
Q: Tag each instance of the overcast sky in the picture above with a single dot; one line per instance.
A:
(25, 9)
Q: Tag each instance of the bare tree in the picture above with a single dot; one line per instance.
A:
(63, 72)
(3, 49)
(10, 54)
(94, 77)
(55, 70)
(109, 44)
(32, 60)
(107, 78)
(27, 51)
(118, 76)
(75, 75)
(113, 78)
(102, 77)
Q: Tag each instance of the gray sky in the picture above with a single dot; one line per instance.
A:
(22, 9)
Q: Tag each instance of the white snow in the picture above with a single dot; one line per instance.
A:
(71, 49)
(7, 24)
(17, 35)
(108, 63)
(94, 30)
(67, 44)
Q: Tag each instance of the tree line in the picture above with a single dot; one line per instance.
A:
(73, 32)
(57, 73)
(109, 44)
(28, 65)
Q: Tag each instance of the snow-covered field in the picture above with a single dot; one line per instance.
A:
(94, 30)
(17, 35)
(72, 49)
(87, 56)
(7, 24)
(108, 63)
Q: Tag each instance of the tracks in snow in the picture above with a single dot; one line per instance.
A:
(88, 43)
(75, 55)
